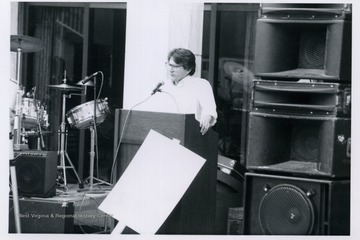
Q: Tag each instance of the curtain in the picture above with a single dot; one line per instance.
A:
(48, 66)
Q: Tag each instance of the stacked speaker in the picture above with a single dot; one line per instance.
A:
(299, 135)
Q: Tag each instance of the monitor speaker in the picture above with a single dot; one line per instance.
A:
(279, 205)
(36, 173)
(307, 146)
(295, 49)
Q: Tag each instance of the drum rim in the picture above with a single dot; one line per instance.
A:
(84, 104)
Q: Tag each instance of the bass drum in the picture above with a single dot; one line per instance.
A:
(82, 116)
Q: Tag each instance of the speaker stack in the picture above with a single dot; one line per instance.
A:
(299, 136)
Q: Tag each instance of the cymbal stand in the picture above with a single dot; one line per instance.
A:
(41, 143)
(18, 108)
(62, 151)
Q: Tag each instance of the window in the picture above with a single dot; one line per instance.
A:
(228, 44)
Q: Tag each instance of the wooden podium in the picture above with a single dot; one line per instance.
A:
(195, 213)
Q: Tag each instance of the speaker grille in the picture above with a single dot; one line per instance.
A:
(29, 176)
(312, 49)
(286, 210)
(305, 143)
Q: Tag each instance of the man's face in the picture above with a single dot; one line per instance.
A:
(176, 72)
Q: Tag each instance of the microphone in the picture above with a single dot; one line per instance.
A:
(86, 79)
(157, 88)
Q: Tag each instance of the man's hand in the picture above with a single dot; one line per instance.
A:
(205, 123)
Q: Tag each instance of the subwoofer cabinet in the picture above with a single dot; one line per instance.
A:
(283, 205)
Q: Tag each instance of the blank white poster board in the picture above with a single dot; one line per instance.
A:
(152, 184)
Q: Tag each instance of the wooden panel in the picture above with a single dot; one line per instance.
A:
(139, 123)
(127, 152)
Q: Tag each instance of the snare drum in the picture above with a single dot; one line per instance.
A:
(82, 115)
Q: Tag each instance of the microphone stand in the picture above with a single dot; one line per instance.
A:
(92, 151)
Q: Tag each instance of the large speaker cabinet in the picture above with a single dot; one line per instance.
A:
(299, 131)
(36, 173)
(300, 127)
(303, 43)
(279, 205)
(299, 145)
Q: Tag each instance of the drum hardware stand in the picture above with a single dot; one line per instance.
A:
(41, 143)
(18, 145)
(92, 152)
(91, 178)
(62, 151)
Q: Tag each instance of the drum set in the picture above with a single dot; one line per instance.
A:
(85, 116)
(29, 116)
(26, 113)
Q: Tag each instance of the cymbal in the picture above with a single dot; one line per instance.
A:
(65, 87)
(25, 43)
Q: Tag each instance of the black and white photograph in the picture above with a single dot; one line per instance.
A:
(179, 118)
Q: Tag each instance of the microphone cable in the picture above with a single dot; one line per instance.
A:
(174, 100)
(125, 122)
(122, 135)
(96, 150)
(101, 84)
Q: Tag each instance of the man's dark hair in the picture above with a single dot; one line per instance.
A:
(185, 58)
